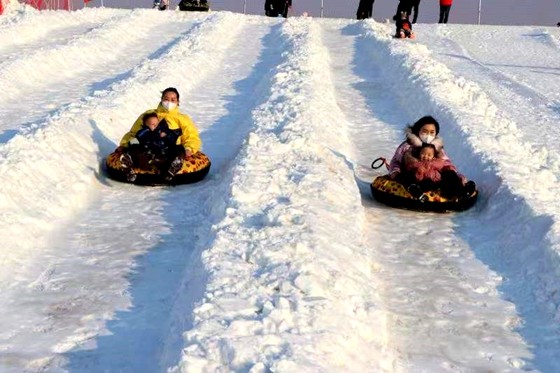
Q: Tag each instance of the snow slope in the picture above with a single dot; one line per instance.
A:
(280, 260)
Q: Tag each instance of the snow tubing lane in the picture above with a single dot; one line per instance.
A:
(194, 169)
(394, 194)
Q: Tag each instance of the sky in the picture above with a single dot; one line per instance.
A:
(495, 12)
(279, 260)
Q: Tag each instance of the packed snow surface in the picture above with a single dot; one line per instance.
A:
(279, 261)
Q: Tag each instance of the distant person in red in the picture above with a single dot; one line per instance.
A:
(275, 8)
(444, 8)
(365, 9)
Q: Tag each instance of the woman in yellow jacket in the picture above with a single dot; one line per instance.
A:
(188, 142)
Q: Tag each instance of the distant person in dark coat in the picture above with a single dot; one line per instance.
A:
(275, 8)
(444, 8)
(404, 6)
(365, 9)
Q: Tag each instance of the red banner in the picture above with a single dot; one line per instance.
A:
(1, 6)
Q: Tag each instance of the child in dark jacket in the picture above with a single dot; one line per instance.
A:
(155, 137)
(155, 144)
(404, 27)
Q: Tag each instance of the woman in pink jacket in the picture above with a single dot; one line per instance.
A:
(444, 8)
(408, 168)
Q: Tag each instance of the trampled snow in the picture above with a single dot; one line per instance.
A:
(279, 261)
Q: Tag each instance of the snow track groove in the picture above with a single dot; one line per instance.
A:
(42, 31)
(83, 65)
(437, 273)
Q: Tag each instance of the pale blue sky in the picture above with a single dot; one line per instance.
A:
(496, 12)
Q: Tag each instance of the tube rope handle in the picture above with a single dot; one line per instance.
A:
(379, 162)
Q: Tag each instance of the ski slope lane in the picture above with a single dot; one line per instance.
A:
(431, 285)
(65, 284)
(290, 284)
(515, 182)
(60, 74)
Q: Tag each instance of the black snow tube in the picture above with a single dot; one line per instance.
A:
(394, 194)
(194, 169)
(194, 6)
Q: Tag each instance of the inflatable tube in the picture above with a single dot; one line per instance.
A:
(194, 169)
(394, 194)
(194, 6)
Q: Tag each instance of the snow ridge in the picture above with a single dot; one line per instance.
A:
(277, 299)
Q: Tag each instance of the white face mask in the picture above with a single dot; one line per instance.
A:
(427, 138)
(168, 105)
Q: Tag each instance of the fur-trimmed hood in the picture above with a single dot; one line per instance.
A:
(415, 141)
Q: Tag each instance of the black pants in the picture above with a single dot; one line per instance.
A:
(444, 13)
(415, 6)
(450, 184)
(404, 6)
(365, 9)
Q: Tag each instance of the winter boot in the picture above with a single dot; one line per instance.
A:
(414, 190)
(174, 167)
(127, 166)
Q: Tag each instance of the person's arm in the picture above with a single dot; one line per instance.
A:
(396, 161)
(189, 135)
(132, 133)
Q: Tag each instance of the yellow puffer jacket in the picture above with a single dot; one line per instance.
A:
(189, 134)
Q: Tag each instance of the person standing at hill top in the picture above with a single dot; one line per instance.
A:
(444, 8)
(365, 9)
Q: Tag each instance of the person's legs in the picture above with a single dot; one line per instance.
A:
(174, 162)
(370, 8)
(415, 8)
(441, 11)
(451, 184)
(446, 14)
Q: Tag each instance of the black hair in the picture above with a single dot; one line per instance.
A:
(170, 89)
(148, 116)
(428, 119)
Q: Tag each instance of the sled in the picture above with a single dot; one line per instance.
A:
(193, 170)
(394, 194)
(194, 6)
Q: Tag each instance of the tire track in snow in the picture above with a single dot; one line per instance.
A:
(433, 288)
(75, 298)
(62, 75)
